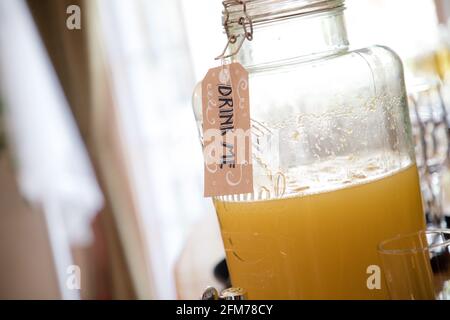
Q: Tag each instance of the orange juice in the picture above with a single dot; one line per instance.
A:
(318, 245)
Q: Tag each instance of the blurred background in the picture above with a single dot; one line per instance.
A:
(100, 162)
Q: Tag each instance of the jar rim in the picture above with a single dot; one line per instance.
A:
(262, 11)
(385, 249)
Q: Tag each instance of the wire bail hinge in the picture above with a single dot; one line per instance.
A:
(247, 25)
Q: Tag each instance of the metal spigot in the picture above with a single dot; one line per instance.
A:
(211, 293)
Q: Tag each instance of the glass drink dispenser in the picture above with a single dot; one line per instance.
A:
(333, 160)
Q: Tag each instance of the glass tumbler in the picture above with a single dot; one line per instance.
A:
(416, 266)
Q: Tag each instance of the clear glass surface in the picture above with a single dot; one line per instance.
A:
(333, 161)
(417, 265)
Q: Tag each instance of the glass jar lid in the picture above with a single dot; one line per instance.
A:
(237, 12)
(239, 16)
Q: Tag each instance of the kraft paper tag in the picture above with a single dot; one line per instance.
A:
(226, 131)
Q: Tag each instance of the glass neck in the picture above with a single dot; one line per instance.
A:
(293, 39)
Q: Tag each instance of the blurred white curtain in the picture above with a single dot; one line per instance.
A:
(153, 76)
(54, 171)
(408, 27)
